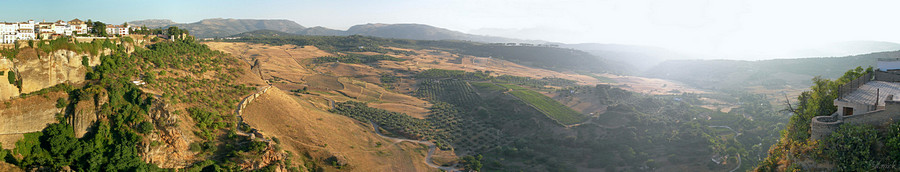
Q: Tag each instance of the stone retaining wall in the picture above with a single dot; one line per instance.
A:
(823, 126)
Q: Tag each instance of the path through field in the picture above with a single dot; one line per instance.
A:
(431, 148)
(735, 139)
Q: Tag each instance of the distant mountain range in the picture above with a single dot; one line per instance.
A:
(838, 49)
(642, 58)
(210, 28)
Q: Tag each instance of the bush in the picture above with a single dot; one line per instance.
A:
(61, 102)
(851, 147)
(195, 147)
(12, 77)
(145, 127)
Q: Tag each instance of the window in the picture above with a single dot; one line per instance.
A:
(848, 111)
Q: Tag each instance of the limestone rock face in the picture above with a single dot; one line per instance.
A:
(7, 90)
(39, 72)
(29, 114)
(172, 142)
(84, 115)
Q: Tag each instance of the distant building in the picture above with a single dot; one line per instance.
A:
(888, 64)
(78, 27)
(117, 29)
(8, 32)
(872, 99)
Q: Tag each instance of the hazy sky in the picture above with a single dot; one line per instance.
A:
(724, 27)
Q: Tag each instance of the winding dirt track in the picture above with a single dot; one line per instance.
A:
(735, 139)
(431, 149)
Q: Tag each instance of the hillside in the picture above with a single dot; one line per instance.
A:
(153, 23)
(276, 101)
(542, 57)
(211, 28)
(770, 74)
(642, 58)
(218, 27)
(503, 107)
(838, 49)
(420, 32)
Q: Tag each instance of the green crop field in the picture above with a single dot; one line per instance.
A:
(553, 109)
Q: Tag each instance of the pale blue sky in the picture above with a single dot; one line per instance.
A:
(725, 27)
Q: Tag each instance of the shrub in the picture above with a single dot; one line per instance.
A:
(61, 102)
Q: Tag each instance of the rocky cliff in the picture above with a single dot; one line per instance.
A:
(7, 89)
(168, 146)
(38, 70)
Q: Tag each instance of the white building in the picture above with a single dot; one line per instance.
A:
(8, 28)
(78, 26)
(117, 29)
(62, 28)
(8, 39)
(44, 29)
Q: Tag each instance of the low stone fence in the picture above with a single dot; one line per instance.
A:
(823, 126)
(240, 111)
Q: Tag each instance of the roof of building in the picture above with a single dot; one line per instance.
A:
(867, 93)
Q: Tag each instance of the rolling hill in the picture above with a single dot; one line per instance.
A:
(778, 73)
(218, 27)
(640, 57)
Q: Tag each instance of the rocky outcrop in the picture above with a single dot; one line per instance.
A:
(37, 70)
(7, 90)
(83, 115)
(168, 147)
(55, 68)
(268, 157)
(29, 114)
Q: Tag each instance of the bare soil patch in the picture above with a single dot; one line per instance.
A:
(305, 129)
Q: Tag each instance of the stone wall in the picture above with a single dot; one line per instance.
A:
(887, 76)
(822, 126)
(240, 111)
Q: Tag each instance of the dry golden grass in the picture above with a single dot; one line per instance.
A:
(302, 122)
(303, 128)
(283, 62)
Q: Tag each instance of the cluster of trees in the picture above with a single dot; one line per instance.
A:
(818, 101)
(397, 123)
(453, 74)
(114, 142)
(486, 76)
(547, 57)
(111, 145)
(553, 109)
(353, 43)
(356, 58)
(452, 91)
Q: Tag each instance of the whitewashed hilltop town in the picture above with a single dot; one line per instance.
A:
(10, 32)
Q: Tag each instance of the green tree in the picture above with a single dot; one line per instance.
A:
(12, 77)
(99, 29)
(61, 102)
(892, 142)
(145, 127)
(472, 163)
(818, 101)
(852, 147)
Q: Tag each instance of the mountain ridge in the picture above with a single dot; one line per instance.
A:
(220, 27)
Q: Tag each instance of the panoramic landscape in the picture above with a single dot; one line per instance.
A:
(461, 85)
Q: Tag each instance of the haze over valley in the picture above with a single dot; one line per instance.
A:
(459, 85)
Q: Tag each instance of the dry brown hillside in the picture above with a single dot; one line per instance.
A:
(301, 121)
(303, 128)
